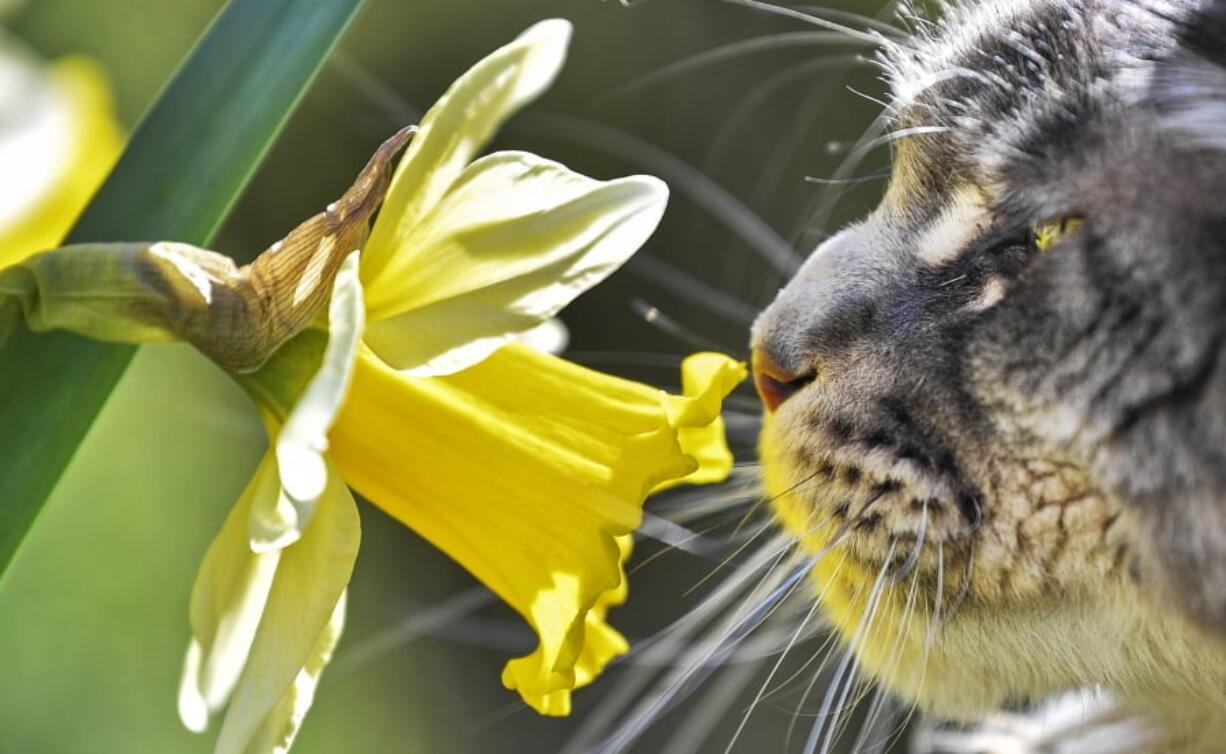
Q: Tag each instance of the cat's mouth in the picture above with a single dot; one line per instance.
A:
(871, 488)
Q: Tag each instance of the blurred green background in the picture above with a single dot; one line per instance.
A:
(94, 610)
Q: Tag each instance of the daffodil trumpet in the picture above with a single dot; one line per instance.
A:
(389, 361)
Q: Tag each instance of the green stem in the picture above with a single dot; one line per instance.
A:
(184, 168)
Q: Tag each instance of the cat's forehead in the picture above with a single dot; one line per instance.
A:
(999, 76)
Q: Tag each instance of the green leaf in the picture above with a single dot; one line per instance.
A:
(184, 168)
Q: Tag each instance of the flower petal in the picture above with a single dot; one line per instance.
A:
(310, 579)
(303, 438)
(281, 725)
(65, 123)
(516, 239)
(706, 378)
(227, 602)
(458, 127)
(601, 644)
(526, 470)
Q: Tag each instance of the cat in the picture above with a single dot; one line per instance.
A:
(996, 412)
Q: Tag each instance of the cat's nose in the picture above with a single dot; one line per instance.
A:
(774, 383)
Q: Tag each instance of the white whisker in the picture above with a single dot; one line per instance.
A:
(722, 206)
(731, 51)
(693, 290)
(771, 675)
(860, 634)
(869, 37)
(697, 665)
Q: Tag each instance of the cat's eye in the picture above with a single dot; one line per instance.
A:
(1045, 233)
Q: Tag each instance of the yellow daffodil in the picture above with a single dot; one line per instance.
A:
(528, 470)
(58, 140)
(414, 390)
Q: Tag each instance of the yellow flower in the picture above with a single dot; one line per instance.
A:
(526, 469)
(58, 140)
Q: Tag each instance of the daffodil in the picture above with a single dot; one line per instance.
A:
(528, 470)
(58, 140)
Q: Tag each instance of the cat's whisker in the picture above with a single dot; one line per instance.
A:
(422, 621)
(834, 14)
(771, 675)
(661, 649)
(842, 674)
(711, 708)
(848, 181)
(754, 100)
(731, 51)
(872, 37)
(676, 536)
(881, 696)
(814, 219)
(693, 290)
(965, 589)
(935, 623)
(682, 178)
(697, 665)
(825, 652)
(913, 557)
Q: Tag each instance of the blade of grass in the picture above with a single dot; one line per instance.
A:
(184, 167)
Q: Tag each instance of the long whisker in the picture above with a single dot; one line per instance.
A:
(814, 219)
(966, 583)
(881, 697)
(421, 622)
(771, 675)
(825, 652)
(732, 122)
(858, 636)
(868, 37)
(848, 181)
(704, 192)
(664, 646)
(913, 558)
(699, 666)
(935, 623)
(693, 290)
(652, 315)
(859, 18)
(712, 708)
(731, 51)
(676, 536)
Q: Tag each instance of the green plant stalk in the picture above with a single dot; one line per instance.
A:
(184, 168)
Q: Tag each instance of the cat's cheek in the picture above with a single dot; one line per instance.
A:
(1181, 560)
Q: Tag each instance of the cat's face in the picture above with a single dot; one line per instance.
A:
(977, 393)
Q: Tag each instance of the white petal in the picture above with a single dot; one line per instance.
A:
(303, 439)
(282, 724)
(227, 603)
(551, 336)
(516, 239)
(310, 578)
(457, 128)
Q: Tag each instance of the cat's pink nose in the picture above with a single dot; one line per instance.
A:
(774, 384)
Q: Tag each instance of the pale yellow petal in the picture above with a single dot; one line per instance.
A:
(458, 127)
(303, 438)
(525, 469)
(516, 239)
(310, 578)
(281, 725)
(227, 604)
(74, 145)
